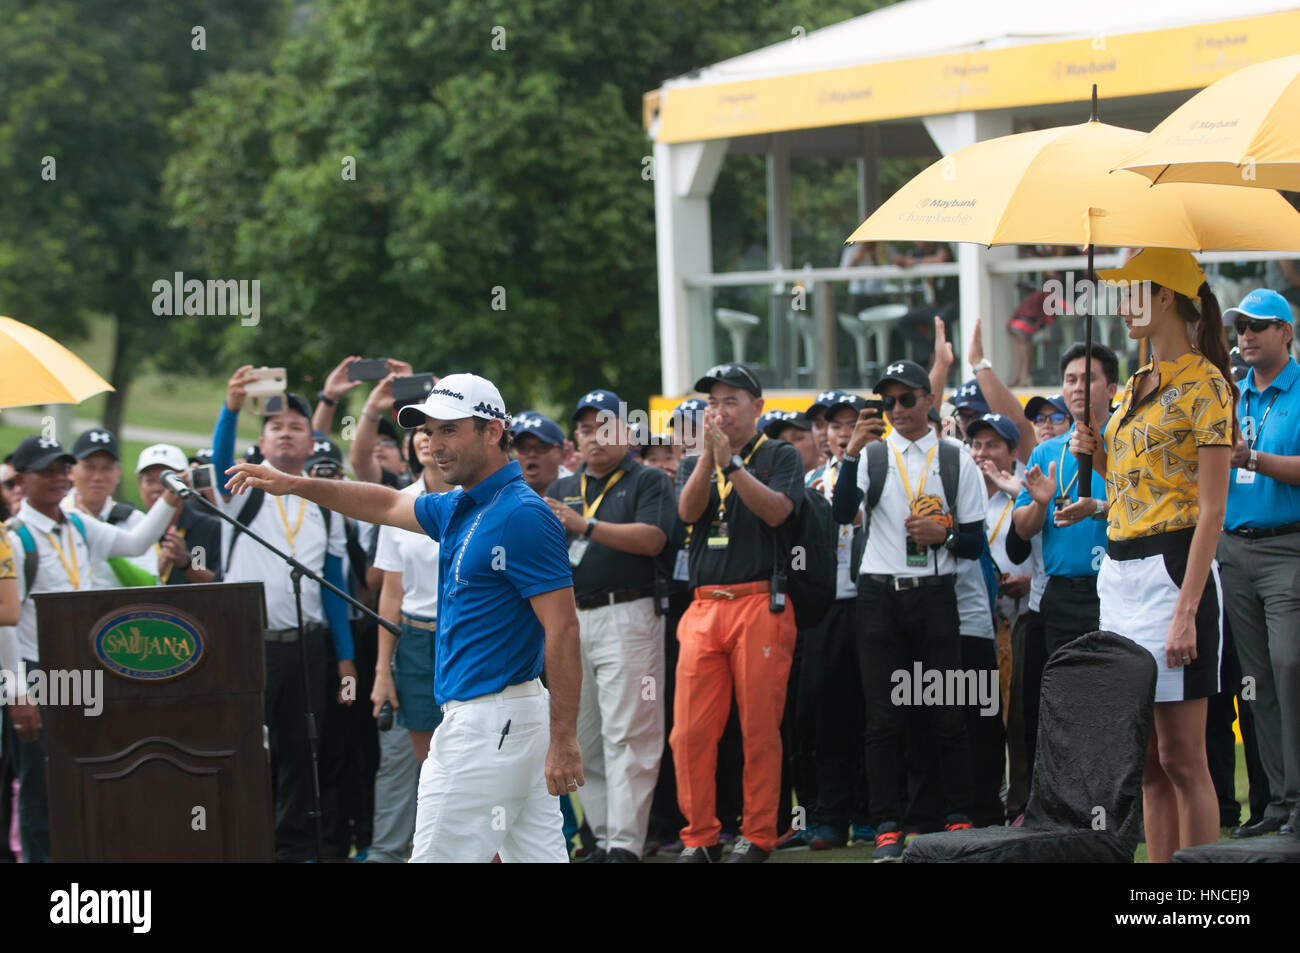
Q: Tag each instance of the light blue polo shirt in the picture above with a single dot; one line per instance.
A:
(1067, 550)
(1267, 502)
(499, 545)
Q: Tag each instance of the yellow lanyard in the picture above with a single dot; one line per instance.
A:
(589, 509)
(724, 485)
(73, 571)
(1060, 472)
(284, 518)
(902, 471)
(998, 525)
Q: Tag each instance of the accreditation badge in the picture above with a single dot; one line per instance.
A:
(1062, 502)
(578, 549)
(917, 556)
(682, 566)
(1244, 476)
(718, 535)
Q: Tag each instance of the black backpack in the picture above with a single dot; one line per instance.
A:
(810, 538)
(250, 509)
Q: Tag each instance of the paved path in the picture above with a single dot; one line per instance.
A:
(186, 441)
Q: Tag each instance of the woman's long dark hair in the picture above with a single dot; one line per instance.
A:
(1211, 339)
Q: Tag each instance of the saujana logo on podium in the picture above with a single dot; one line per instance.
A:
(147, 642)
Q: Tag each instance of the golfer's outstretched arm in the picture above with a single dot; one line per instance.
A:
(556, 611)
(370, 502)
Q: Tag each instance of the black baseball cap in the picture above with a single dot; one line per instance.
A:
(388, 429)
(1002, 426)
(774, 421)
(599, 400)
(907, 373)
(279, 403)
(36, 453)
(733, 375)
(95, 440)
(1037, 405)
(323, 450)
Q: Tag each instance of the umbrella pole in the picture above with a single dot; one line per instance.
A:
(1085, 460)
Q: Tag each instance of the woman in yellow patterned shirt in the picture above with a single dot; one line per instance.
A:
(1166, 454)
(10, 605)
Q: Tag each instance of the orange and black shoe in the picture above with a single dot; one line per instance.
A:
(957, 822)
(889, 843)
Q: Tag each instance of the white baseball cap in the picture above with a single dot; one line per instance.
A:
(162, 454)
(455, 397)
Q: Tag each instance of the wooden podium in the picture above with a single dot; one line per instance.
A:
(173, 767)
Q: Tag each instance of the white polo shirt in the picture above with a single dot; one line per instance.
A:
(103, 575)
(101, 542)
(278, 518)
(415, 556)
(886, 552)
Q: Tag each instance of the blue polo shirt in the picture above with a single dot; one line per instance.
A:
(499, 545)
(1268, 502)
(1067, 550)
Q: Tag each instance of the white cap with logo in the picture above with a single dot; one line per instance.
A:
(162, 454)
(455, 397)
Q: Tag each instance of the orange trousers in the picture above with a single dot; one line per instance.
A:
(726, 643)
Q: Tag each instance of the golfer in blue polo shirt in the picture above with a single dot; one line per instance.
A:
(506, 746)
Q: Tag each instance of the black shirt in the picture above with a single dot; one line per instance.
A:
(643, 495)
(199, 530)
(751, 544)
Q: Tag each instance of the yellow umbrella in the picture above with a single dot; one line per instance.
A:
(1054, 186)
(1242, 130)
(40, 370)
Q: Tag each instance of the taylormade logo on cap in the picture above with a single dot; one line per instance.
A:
(454, 397)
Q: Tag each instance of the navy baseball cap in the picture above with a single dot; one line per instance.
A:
(853, 401)
(1037, 405)
(733, 375)
(253, 454)
(543, 428)
(1262, 304)
(202, 456)
(774, 421)
(95, 440)
(598, 400)
(907, 373)
(970, 397)
(1002, 426)
(35, 453)
(824, 400)
(689, 409)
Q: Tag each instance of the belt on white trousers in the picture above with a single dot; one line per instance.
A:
(522, 690)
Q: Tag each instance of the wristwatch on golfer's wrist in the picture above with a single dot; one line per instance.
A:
(735, 464)
(984, 365)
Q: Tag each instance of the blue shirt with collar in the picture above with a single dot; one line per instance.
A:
(1067, 550)
(1266, 502)
(499, 545)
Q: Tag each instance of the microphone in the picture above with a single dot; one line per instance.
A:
(176, 485)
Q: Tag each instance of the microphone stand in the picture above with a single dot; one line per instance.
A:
(298, 570)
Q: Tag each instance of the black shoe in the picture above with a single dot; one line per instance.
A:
(620, 856)
(889, 846)
(745, 852)
(1266, 825)
(1292, 825)
(597, 856)
(701, 855)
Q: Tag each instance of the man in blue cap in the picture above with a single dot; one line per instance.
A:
(1260, 547)
(970, 403)
(537, 442)
(617, 513)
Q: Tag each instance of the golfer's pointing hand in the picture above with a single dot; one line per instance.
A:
(254, 476)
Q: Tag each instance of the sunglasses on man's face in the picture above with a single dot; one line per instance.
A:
(1056, 418)
(908, 400)
(1256, 325)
